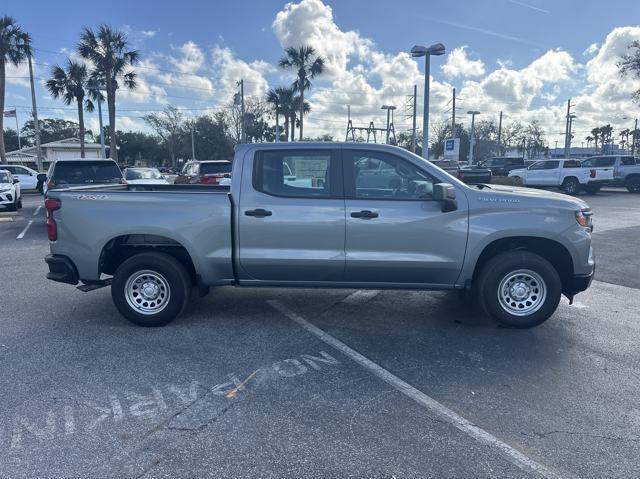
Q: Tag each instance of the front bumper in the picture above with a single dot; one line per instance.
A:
(6, 198)
(581, 282)
(61, 269)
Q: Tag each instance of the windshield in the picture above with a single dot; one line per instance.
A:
(213, 168)
(142, 174)
(4, 177)
(86, 172)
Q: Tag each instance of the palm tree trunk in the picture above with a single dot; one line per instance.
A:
(277, 126)
(3, 157)
(81, 122)
(111, 106)
(293, 126)
(301, 107)
(286, 127)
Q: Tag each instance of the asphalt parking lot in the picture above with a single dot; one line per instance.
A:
(319, 383)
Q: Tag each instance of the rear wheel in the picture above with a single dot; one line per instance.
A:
(633, 185)
(151, 289)
(571, 186)
(520, 289)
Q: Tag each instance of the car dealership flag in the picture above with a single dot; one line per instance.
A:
(10, 113)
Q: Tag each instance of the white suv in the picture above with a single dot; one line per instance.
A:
(10, 195)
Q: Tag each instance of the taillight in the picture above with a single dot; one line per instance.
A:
(592, 173)
(210, 179)
(51, 205)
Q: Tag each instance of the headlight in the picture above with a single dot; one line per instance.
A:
(585, 218)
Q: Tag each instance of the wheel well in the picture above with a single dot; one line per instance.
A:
(567, 178)
(550, 250)
(633, 176)
(121, 248)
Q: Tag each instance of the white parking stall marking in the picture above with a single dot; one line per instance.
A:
(437, 409)
(24, 231)
(35, 213)
(360, 296)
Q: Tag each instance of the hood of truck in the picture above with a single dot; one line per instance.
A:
(524, 197)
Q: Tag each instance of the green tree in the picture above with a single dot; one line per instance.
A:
(108, 50)
(15, 47)
(168, 125)
(70, 84)
(281, 98)
(211, 138)
(630, 65)
(51, 129)
(307, 65)
(10, 139)
(137, 145)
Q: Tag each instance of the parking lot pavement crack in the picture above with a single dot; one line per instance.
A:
(543, 435)
(202, 424)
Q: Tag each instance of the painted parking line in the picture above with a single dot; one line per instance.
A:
(6, 219)
(24, 231)
(35, 213)
(437, 409)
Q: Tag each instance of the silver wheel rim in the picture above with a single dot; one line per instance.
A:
(522, 292)
(147, 292)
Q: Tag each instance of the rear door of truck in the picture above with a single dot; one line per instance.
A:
(291, 216)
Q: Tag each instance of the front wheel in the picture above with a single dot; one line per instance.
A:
(151, 289)
(520, 289)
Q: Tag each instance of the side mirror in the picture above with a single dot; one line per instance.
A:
(16, 180)
(42, 177)
(446, 194)
(227, 175)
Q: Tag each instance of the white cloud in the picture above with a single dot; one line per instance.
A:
(590, 50)
(19, 75)
(149, 33)
(229, 69)
(459, 65)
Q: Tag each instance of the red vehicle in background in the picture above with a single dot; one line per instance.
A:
(205, 173)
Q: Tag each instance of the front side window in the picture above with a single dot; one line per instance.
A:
(393, 179)
(605, 162)
(628, 160)
(297, 174)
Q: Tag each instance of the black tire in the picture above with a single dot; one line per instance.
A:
(13, 206)
(158, 265)
(592, 189)
(499, 268)
(19, 205)
(571, 186)
(633, 185)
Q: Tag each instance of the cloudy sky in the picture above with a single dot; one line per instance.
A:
(525, 58)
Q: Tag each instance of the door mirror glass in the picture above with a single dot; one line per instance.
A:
(42, 177)
(16, 180)
(446, 194)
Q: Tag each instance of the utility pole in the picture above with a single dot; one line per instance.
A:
(415, 113)
(453, 115)
(566, 130)
(500, 135)
(473, 114)
(633, 139)
(34, 112)
(193, 142)
(239, 99)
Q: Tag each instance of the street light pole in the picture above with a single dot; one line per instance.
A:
(420, 51)
(102, 148)
(473, 114)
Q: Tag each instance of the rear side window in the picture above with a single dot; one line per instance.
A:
(291, 173)
(86, 172)
(213, 168)
(572, 164)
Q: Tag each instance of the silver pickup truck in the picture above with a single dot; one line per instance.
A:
(329, 215)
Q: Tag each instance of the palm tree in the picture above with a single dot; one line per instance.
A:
(15, 47)
(624, 135)
(307, 65)
(281, 99)
(589, 139)
(108, 49)
(70, 84)
(596, 134)
(605, 135)
(298, 105)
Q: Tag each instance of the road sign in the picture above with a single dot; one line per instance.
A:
(452, 149)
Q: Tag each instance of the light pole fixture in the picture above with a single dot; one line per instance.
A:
(389, 109)
(426, 52)
(473, 114)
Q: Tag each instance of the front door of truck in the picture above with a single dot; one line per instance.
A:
(396, 232)
(291, 216)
